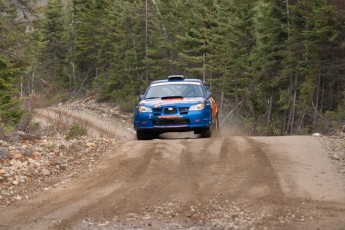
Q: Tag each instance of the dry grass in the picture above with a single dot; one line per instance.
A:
(60, 122)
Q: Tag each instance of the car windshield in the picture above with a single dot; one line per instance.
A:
(175, 90)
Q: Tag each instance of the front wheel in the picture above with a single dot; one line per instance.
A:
(206, 132)
(146, 135)
(141, 135)
(214, 128)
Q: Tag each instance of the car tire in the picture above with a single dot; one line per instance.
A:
(145, 135)
(206, 132)
(154, 136)
(142, 135)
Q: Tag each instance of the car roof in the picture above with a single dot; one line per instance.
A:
(182, 80)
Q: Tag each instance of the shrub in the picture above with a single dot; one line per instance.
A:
(5, 132)
(76, 130)
(126, 98)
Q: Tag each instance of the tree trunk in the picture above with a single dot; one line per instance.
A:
(269, 112)
(294, 104)
(204, 63)
(72, 78)
(220, 112)
(322, 95)
(236, 99)
(146, 42)
(288, 17)
(302, 120)
(317, 99)
(21, 86)
(33, 80)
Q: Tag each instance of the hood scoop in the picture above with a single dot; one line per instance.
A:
(172, 98)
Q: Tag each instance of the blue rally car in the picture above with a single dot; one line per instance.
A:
(176, 105)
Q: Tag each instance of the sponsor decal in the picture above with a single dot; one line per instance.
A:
(160, 103)
(170, 117)
(170, 126)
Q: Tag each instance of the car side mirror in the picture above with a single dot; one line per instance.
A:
(209, 94)
(141, 97)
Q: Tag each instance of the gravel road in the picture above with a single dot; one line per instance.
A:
(226, 182)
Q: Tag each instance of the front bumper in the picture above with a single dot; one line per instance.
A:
(192, 121)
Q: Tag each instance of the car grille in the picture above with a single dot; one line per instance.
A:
(170, 110)
(182, 110)
(174, 121)
(157, 111)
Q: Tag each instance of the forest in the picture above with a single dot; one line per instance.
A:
(275, 67)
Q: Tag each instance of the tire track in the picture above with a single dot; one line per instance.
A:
(65, 117)
(168, 179)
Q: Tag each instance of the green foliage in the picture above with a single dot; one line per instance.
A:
(57, 97)
(5, 132)
(274, 128)
(10, 111)
(103, 88)
(194, 44)
(279, 64)
(53, 50)
(341, 112)
(76, 130)
(126, 97)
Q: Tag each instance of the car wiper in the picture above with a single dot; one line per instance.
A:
(172, 97)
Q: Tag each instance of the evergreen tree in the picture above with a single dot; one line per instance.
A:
(53, 50)
(194, 43)
(159, 32)
(282, 61)
(123, 49)
(233, 46)
(316, 32)
(14, 41)
(10, 112)
(88, 23)
(266, 58)
(69, 46)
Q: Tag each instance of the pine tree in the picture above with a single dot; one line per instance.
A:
(266, 58)
(18, 40)
(123, 51)
(14, 41)
(316, 32)
(53, 50)
(69, 46)
(233, 47)
(281, 60)
(10, 111)
(88, 25)
(195, 41)
(159, 50)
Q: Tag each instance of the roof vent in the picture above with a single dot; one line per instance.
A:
(176, 78)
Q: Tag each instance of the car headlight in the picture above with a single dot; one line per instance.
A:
(144, 109)
(200, 106)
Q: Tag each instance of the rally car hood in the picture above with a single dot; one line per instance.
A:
(155, 103)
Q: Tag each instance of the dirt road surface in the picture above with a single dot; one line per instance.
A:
(225, 182)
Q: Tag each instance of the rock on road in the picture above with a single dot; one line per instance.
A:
(227, 182)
